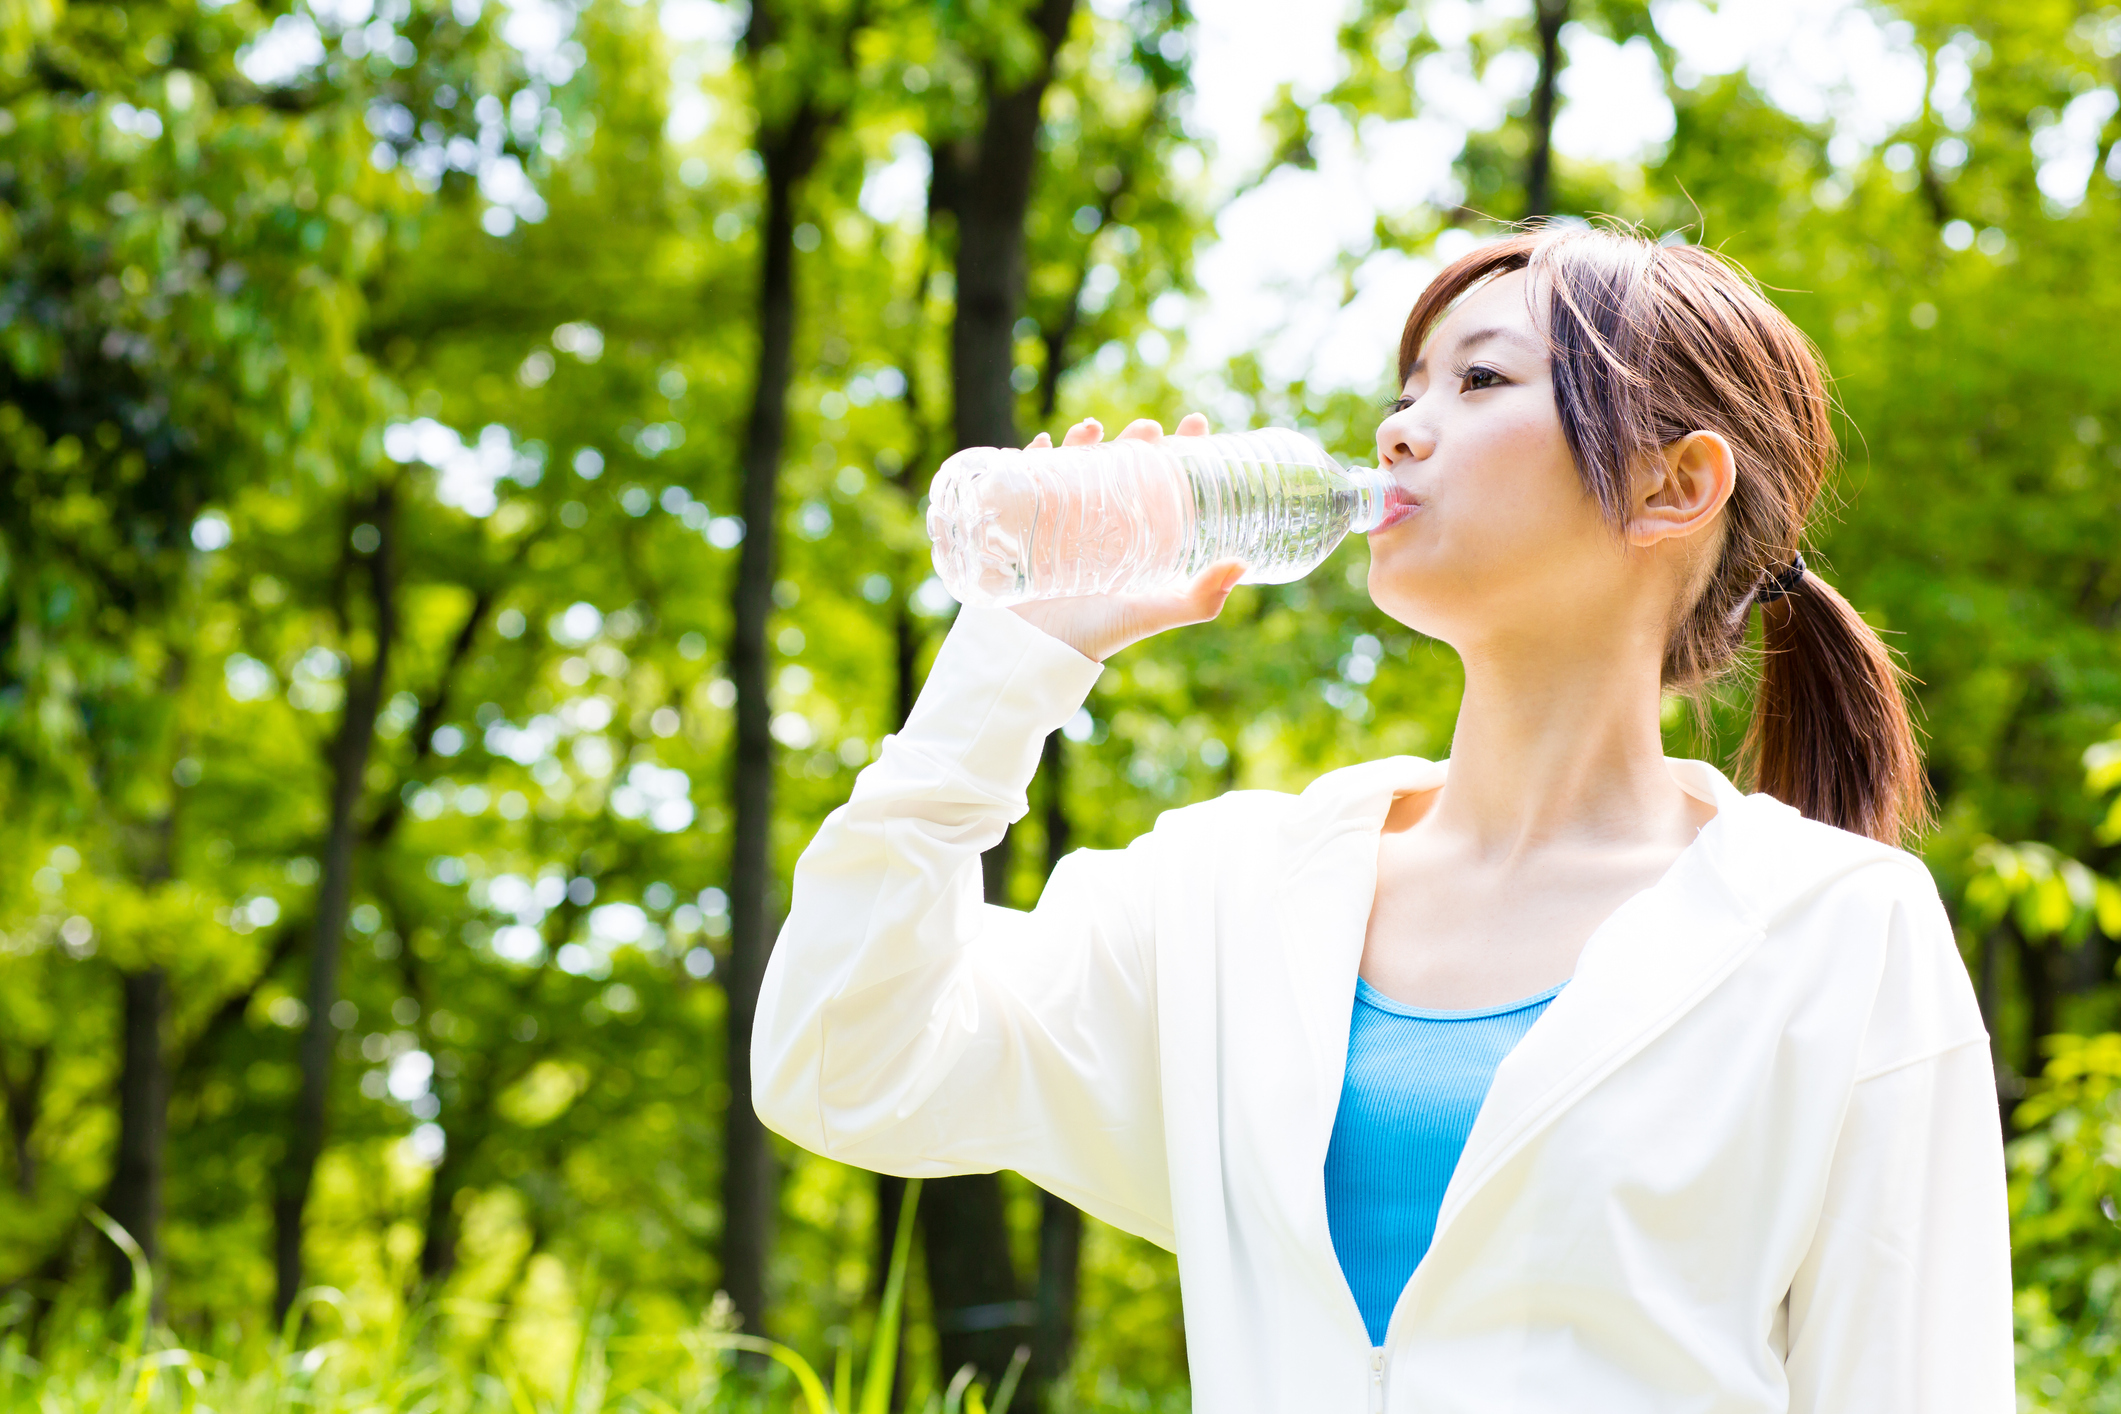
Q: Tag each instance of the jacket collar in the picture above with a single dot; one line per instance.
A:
(1644, 967)
(1330, 841)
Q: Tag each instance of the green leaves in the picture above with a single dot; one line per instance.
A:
(2047, 894)
(517, 288)
(2065, 1180)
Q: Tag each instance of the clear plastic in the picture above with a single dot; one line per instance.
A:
(1011, 525)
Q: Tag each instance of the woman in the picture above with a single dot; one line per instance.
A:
(1560, 1076)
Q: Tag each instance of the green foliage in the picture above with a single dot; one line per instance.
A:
(230, 327)
(498, 302)
(617, 1363)
(2066, 1231)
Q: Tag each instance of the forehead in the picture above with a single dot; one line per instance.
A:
(1504, 304)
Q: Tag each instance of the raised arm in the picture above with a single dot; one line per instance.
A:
(905, 1025)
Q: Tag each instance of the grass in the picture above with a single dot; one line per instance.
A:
(123, 1364)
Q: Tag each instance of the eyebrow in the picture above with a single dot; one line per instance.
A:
(1478, 336)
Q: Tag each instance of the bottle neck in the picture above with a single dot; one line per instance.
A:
(1375, 495)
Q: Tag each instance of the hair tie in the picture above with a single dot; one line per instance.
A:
(1778, 585)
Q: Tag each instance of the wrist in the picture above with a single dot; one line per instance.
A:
(1048, 618)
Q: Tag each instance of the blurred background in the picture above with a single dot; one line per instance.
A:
(462, 531)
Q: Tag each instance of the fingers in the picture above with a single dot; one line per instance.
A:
(1203, 599)
(1213, 584)
(1038, 442)
(1142, 429)
(1097, 626)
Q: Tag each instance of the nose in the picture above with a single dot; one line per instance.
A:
(1401, 437)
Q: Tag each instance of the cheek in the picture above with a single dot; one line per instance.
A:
(1507, 508)
(1513, 488)
(1529, 454)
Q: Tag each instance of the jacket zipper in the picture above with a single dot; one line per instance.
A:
(1377, 1380)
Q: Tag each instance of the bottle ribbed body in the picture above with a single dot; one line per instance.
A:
(1053, 522)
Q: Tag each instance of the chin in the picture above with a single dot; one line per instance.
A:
(1412, 597)
(1440, 588)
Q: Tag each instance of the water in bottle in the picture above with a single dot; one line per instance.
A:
(1128, 515)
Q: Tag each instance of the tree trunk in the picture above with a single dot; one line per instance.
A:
(906, 650)
(890, 1188)
(1060, 1261)
(2036, 973)
(438, 1249)
(990, 196)
(349, 762)
(1060, 1224)
(981, 1313)
(473, 1107)
(787, 150)
(890, 1197)
(24, 1102)
(994, 868)
(134, 1198)
(1548, 18)
(49, 1280)
(1053, 765)
(747, 1178)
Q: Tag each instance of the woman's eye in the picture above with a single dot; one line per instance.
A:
(1475, 379)
(1399, 404)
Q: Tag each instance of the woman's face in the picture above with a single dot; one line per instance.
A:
(1502, 538)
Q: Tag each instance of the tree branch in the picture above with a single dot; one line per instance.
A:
(432, 713)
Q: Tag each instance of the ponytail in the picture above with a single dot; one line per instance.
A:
(1830, 732)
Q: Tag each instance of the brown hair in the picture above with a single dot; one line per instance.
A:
(1650, 342)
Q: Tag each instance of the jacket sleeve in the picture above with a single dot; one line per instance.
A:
(907, 1026)
(1903, 1303)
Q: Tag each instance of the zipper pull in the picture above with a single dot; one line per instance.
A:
(1377, 1380)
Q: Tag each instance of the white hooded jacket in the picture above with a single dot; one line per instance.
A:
(1748, 1161)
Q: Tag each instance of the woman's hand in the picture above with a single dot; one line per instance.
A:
(1099, 625)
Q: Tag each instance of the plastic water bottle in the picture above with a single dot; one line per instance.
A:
(1127, 515)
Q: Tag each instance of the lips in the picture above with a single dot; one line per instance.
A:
(1403, 507)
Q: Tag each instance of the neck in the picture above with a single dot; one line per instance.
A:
(1558, 742)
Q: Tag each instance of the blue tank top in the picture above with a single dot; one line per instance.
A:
(1415, 1082)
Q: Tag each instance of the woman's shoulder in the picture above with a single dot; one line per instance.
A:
(1349, 795)
(1782, 862)
(1858, 917)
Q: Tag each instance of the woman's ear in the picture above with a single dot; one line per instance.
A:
(1682, 490)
